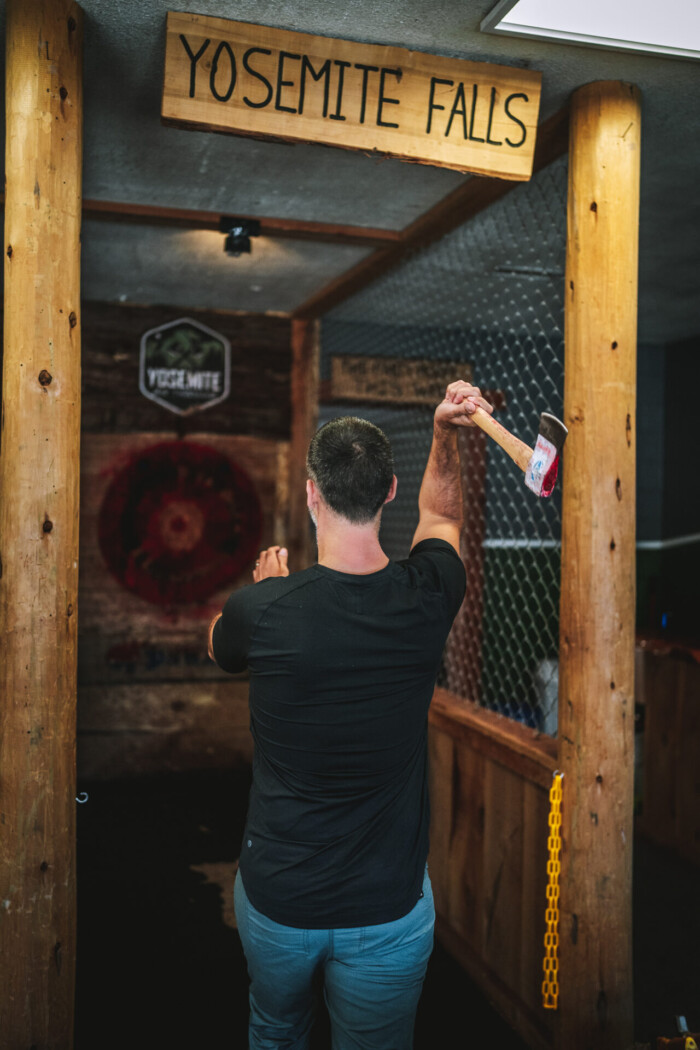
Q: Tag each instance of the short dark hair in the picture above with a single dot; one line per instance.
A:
(351, 462)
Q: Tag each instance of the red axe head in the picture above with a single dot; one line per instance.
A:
(542, 470)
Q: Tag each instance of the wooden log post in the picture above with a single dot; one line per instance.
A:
(596, 678)
(304, 395)
(39, 470)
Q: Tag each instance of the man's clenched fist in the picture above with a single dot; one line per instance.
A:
(461, 401)
(271, 562)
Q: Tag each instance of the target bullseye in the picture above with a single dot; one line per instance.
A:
(179, 522)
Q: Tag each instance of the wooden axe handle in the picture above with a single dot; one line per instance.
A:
(518, 451)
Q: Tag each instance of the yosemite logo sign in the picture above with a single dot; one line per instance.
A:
(273, 83)
(184, 366)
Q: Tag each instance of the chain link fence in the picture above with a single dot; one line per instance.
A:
(485, 302)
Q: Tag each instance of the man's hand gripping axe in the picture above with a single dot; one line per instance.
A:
(541, 464)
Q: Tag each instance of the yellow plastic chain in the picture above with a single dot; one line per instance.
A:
(550, 964)
(690, 1043)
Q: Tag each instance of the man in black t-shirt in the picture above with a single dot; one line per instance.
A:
(332, 885)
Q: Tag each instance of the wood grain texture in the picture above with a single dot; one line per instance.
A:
(596, 662)
(503, 849)
(150, 699)
(488, 855)
(466, 875)
(525, 751)
(39, 478)
(127, 643)
(259, 402)
(441, 750)
(669, 685)
(141, 728)
(519, 452)
(533, 890)
(394, 380)
(273, 83)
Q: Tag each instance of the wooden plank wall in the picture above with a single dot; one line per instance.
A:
(490, 779)
(149, 698)
(668, 685)
(260, 366)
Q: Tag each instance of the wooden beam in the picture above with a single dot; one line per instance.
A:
(304, 394)
(39, 473)
(284, 229)
(466, 201)
(597, 625)
(292, 229)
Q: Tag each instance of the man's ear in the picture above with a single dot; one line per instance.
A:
(311, 492)
(392, 490)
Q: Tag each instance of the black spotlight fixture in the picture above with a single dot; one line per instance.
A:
(238, 233)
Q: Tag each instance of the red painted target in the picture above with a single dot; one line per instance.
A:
(179, 522)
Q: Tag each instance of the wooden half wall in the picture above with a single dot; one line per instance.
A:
(489, 786)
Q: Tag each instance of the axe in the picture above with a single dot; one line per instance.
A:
(540, 464)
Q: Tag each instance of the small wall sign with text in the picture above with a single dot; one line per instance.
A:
(393, 380)
(273, 83)
(185, 366)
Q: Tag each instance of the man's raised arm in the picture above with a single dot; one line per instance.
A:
(440, 497)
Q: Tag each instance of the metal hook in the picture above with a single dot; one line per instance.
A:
(82, 797)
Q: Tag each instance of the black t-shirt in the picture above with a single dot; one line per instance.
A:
(342, 671)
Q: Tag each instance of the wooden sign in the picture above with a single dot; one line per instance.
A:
(394, 380)
(273, 83)
(185, 366)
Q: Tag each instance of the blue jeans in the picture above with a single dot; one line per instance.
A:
(371, 977)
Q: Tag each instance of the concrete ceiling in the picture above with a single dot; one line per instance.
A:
(130, 157)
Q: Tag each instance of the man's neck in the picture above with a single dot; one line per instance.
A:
(349, 548)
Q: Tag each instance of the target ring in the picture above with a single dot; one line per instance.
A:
(179, 522)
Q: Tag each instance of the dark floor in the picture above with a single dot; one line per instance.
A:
(160, 964)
